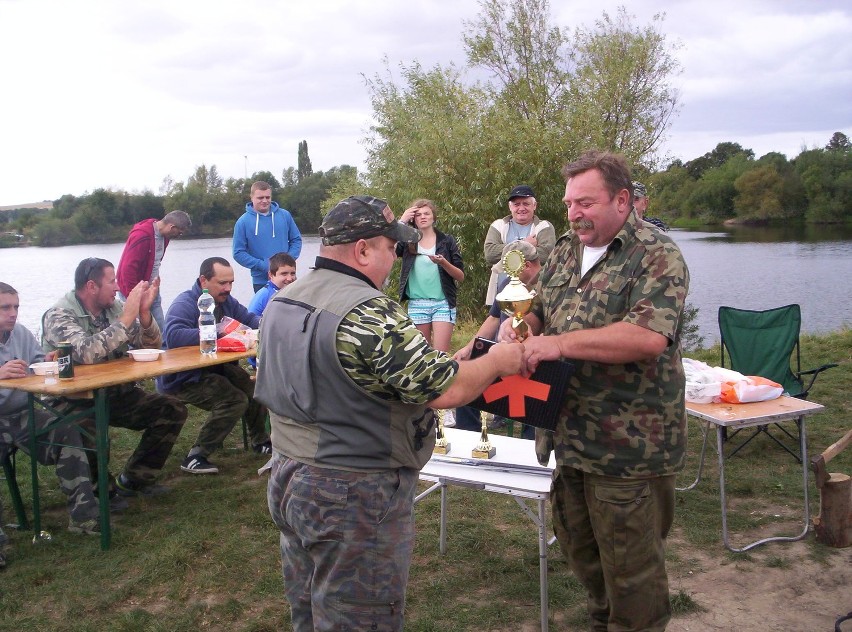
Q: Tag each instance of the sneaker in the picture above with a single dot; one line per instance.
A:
(449, 418)
(264, 448)
(117, 504)
(125, 487)
(87, 527)
(198, 464)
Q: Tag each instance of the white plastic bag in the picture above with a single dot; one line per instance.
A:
(703, 384)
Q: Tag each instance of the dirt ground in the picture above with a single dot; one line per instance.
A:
(781, 587)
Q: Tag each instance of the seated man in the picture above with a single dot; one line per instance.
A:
(282, 271)
(100, 328)
(61, 446)
(467, 418)
(226, 390)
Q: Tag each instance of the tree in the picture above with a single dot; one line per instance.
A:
(288, 177)
(56, 232)
(202, 197)
(526, 56)
(712, 197)
(465, 144)
(304, 168)
(759, 194)
(621, 93)
(839, 142)
(716, 158)
(266, 176)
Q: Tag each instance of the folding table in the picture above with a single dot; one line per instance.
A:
(514, 471)
(92, 380)
(735, 416)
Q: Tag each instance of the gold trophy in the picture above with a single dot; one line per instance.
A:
(442, 446)
(484, 449)
(515, 300)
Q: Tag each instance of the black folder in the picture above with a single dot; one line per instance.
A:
(535, 400)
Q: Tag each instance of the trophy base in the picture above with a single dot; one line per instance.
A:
(476, 453)
(441, 449)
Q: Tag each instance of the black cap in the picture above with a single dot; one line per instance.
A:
(522, 190)
(362, 217)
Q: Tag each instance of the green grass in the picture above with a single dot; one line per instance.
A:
(206, 555)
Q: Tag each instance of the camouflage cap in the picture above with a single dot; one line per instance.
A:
(362, 217)
(527, 249)
(639, 190)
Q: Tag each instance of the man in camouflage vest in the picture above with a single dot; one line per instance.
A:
(61, 446)
(100, 328)
(611, 299)
(351, 385)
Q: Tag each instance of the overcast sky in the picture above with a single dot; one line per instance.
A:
(122, 94)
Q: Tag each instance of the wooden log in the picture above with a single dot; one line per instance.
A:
(833, 526)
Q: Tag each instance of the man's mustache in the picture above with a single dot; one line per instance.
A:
(581, 224)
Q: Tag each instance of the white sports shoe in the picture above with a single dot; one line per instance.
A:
(449, 418)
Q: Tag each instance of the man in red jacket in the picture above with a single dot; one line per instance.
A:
(143, 252)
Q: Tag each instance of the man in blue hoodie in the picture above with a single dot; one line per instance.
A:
(225, 390)
(264, 229)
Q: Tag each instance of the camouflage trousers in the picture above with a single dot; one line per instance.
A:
(612, 531)
(61, 447)
(228, 397)
(159, 418)
(346, 544)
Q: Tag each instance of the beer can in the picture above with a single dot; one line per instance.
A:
(63, 358)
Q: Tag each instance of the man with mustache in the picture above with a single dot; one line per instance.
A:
(100, 328)
(225, 390)
(611, 299)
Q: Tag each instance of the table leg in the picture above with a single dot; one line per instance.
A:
(31, 420)
(102, 445)
(443, 547)
(542, 563)
(803, 446)
(692, 485)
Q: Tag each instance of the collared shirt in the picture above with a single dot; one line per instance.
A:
(625, 420)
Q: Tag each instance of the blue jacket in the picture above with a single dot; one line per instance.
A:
(259, 300)
(182, 331)
(257, 237)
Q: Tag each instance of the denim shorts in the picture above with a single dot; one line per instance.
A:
(429, 310)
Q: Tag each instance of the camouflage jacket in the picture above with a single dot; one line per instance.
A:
(94, 339)
(625, 420)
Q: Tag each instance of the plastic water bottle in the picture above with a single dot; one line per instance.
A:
(206, 323)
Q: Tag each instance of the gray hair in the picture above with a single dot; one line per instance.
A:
(178, 219)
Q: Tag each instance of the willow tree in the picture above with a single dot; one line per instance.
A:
(466, 143)
(621, 93)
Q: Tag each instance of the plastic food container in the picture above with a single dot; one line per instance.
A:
(40, 368)
(145, 355)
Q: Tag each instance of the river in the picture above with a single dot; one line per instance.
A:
(750, 269)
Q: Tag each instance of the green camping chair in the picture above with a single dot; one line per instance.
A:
(762, 343)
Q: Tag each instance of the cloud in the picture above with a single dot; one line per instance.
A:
(123, 94)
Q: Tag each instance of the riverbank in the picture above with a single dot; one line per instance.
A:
(205, 556)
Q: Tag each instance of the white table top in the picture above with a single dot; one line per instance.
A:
(755, 414)
(499, 474)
